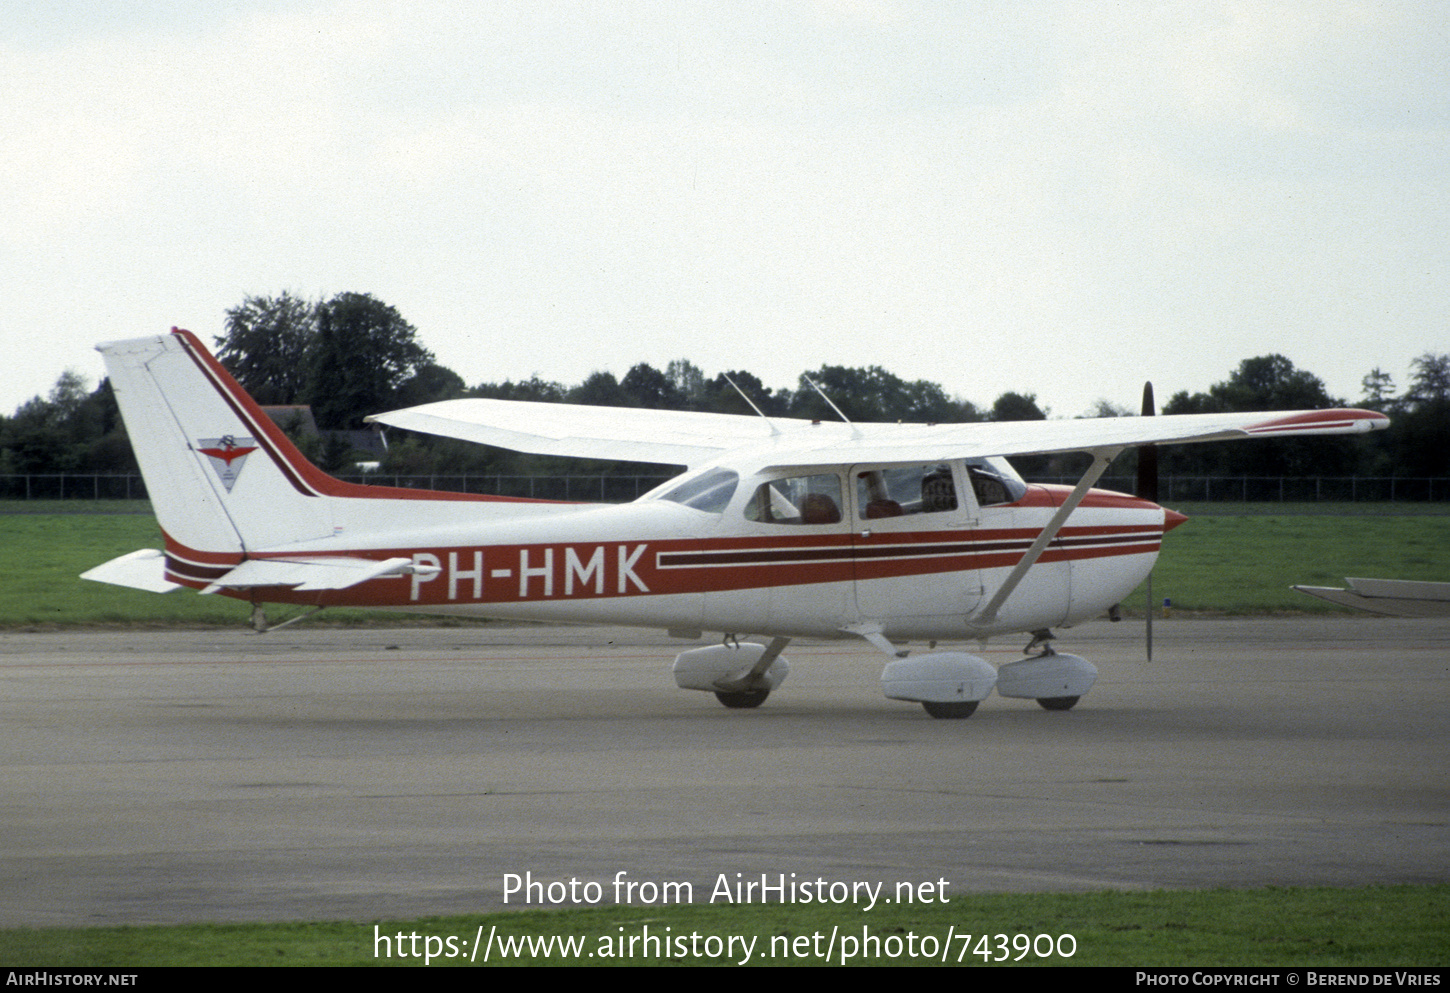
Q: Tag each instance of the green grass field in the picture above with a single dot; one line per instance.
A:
(1230, 558)
(1365, 927)
(44, 551)
(1245, 562)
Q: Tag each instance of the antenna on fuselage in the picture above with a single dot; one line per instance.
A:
(746, 397)
(855, 434)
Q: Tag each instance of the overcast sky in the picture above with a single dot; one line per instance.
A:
(1055, 198)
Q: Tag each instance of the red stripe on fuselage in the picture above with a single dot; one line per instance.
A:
(508, 574)
(194, 567)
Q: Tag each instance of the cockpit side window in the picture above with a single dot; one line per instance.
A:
(904, 490)
(710, 492)
(994, 481)
(797, 500)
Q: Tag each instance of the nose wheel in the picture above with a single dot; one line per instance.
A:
(954, 710)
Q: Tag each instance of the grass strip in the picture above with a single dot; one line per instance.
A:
(1374, 926)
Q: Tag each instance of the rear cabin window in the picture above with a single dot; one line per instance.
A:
(797, 500)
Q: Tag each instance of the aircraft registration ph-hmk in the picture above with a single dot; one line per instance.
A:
(778, 528)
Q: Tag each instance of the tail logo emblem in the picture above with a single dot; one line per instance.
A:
(227, 455)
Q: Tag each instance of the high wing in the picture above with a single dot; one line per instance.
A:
(694, 439)
(629, 434)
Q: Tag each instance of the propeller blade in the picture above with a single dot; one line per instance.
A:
(1147, 489)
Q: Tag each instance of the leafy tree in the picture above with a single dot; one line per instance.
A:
(338, 455)
(871, 394)
(365, 351)
(533, 389)
(1017, 407)
(410, 455)
(1430, 380)
(1379, 389)
(689, 383)
(429, 384)
(1104, 407)
(722, 398)
(1418, 441)
(925, 401)
(72, 429)
(646, 386)
(268, 347)
(600, 389)
(1268, 382)
(1023, 407)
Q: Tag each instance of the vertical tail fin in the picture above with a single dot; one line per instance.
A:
(222, 477)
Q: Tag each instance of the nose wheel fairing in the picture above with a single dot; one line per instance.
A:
(1050, 678)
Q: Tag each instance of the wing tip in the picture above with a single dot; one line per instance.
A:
(1339, 420)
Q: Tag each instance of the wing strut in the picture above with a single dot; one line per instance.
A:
(1102, 458)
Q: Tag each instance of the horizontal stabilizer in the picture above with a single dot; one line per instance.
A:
(1394, 597)
(330, 572)
(144, 569)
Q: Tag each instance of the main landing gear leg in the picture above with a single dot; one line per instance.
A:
(740, 674)
(747, 690)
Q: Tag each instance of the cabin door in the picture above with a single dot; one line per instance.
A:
(913, 533)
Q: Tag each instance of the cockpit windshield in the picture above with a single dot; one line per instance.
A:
(710, 491)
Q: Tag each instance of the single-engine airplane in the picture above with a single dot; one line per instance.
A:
(778, 528)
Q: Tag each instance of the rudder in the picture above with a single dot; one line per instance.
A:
(221, 476)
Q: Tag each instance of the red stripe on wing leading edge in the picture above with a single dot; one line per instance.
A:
(1321, 420)
(305, 477)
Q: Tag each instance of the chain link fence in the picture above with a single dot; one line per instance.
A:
(1281, 489)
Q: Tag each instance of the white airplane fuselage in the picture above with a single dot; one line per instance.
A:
(658, 563)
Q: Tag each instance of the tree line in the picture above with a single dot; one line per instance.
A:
(354, 355)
